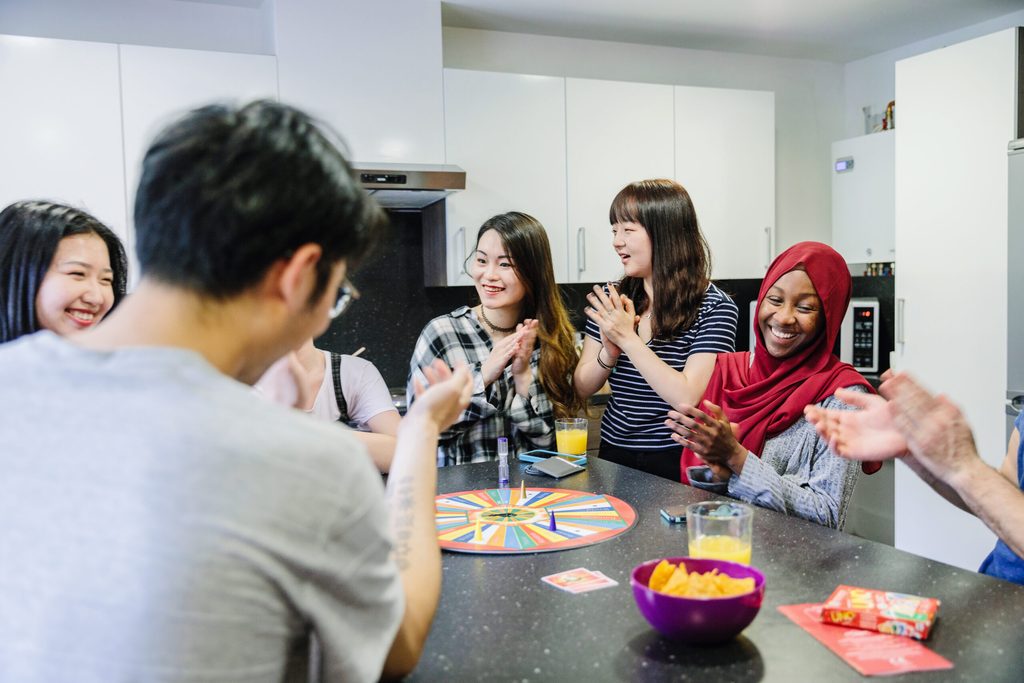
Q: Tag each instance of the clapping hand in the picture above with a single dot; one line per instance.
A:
(522, 371)
(446, 395)
(527, 331)
(502, 353)
(935, 430)
(615, 315)
(868, 433)
(710, 436)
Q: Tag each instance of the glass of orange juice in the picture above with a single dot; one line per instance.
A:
(720, 530)
(571, 435)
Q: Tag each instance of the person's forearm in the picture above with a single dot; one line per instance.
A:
(673, 386)
(386, 422)
(940, 487)
(412, 487)
(589, 377)
(381, 448)
(523, 380)
(996, 501)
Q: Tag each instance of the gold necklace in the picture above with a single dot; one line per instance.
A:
(495, 328)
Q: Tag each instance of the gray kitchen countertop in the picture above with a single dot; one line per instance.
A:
(498, 621)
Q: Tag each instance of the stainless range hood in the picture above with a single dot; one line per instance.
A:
(410, 186)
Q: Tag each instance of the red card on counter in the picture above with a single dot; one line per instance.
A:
(869, 653)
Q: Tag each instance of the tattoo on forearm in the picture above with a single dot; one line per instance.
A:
(402, 510)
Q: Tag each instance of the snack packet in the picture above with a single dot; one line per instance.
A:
(882, 611)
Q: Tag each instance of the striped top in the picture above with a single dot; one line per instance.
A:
(635, 416)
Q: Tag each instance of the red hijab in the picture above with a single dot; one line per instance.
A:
(767, 396)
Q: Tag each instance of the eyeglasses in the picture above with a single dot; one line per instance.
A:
(347, 293)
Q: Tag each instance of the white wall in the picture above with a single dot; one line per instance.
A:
(243, 26)
(871, 81)
(807, 100)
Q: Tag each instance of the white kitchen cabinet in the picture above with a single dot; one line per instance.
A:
(958, 111)
(616, 133)
(507, 131)
(60, 125)
(159, 84)
(725, 158)
(864, 197)
(563, 148)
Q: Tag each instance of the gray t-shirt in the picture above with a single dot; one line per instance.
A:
(159, 522)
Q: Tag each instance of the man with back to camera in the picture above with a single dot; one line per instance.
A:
(162, 522)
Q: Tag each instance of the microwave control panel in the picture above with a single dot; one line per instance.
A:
(858, 344)
(863, 336)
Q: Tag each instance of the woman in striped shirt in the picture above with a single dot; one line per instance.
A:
(518, 343)
(655, 334)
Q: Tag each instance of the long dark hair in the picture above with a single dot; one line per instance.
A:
(680, 258)
(526, 243)
(29, 234)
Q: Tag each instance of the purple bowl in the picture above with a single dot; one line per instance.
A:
(698, 620)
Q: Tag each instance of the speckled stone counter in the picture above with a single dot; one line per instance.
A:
(498, 621)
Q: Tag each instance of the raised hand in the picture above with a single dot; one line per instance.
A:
(446, 395)
(614, 315)
(502, 353)
(710, 436)
(867, 433)
(935, 429)
(522, 372)
(527, 331)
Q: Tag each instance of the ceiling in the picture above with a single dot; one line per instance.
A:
(828, 30)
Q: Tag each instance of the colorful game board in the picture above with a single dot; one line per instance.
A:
(511, 523)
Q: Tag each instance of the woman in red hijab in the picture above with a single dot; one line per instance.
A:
(751, 440)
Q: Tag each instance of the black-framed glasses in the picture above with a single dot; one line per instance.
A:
(347, 293)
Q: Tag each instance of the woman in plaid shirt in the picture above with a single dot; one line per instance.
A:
(518, 343)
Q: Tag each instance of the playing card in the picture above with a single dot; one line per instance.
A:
(579, 580)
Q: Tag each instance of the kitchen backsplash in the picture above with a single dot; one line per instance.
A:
(395, 305)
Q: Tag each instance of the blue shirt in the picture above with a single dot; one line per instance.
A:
(1002, 562)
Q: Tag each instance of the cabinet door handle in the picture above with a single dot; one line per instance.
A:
(581, 250)
(460, 250)
(769, 247)
(900, 315)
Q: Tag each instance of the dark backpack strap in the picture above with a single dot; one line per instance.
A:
(338, 396)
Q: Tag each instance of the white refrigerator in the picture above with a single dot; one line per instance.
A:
(1015, 284)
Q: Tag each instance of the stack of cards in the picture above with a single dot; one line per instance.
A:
(579, 580)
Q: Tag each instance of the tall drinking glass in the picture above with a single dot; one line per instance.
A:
(720, 530)
(571, 436)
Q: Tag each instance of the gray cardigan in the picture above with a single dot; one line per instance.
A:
(797, 474)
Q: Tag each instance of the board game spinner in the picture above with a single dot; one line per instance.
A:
(506, 521)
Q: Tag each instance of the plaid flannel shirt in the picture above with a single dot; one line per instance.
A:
(493, 411)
